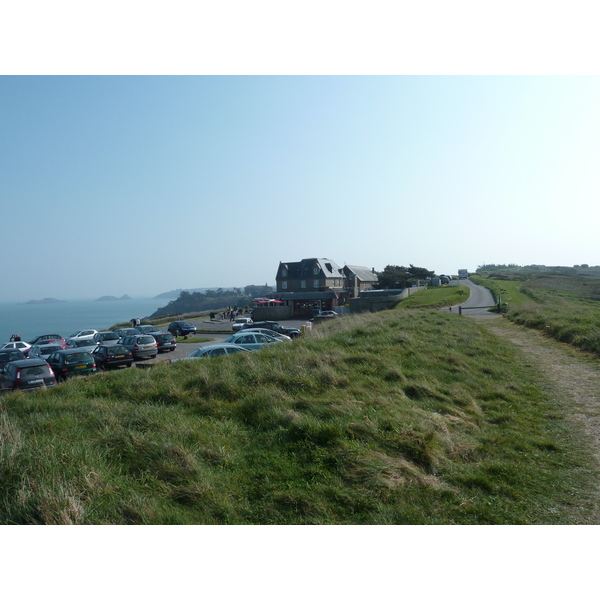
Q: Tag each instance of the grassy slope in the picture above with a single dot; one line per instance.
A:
(437, 297)
(397, 417)
(566, 308)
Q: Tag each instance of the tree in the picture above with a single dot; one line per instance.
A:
(258, 291)
(392, 277)
(420, 272)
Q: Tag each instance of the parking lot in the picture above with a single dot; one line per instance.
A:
(217, 330)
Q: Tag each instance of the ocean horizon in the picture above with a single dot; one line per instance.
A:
(66, 317)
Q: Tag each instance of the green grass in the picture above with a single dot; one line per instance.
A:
(565, 308)
(437, 297)
(399, 417)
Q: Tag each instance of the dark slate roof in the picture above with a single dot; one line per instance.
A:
(304, 268)
(363, 273)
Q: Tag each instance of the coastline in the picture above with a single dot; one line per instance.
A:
(66, 317)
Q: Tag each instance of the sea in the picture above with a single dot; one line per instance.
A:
(67, 317)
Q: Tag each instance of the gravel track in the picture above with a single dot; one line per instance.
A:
(572, 376)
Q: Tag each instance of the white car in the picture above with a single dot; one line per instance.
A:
(84, 334)
(327, 313)
(24, 347)
(237, 324)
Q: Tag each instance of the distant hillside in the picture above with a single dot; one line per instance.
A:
(512, 271)
(210, 299)
(199, 301)
(173, 294)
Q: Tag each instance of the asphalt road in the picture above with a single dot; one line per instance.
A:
(479, 300)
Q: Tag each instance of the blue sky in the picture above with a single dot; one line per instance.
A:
(138, 185)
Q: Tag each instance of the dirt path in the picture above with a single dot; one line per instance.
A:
(571, 374)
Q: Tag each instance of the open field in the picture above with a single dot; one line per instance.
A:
(565, 308)
(400, 417)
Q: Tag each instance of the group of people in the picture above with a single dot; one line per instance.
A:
(231, 314)
(135, 322)
(15, 337)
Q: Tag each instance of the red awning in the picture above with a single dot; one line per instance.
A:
(266, 301)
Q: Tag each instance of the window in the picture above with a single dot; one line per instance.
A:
(303, 283)
(284, 272)
(316, 283)
(316, 271)
(284, 285)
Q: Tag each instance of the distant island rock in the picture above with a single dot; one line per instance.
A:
(109, 298)
(44, 301)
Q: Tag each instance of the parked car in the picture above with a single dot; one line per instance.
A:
(140, 345)
(47, 336)
(83, 333)
(179, 328)
(24, 347)
(166, 341)
(237, 324)
(8, 355)
(26, 375)
(84, 344)
(274, 334)
(43, 351)
(67, 363)
(112, 357)
(106, 337)
(126, 331)
(147, 329)
(214, 350)
(53, 341)
(326, 314)
(291, 331)
(250, 341)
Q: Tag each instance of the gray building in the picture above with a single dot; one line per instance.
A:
(314, 284)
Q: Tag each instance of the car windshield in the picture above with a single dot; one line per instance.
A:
(109, 336)
(8, 356)
(145, 339)
(36, 370)
(49, 349)
(77, 357)
(117, 350)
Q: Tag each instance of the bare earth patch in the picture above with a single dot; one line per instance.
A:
(571, 375)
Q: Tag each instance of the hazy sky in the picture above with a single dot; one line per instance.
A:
(141, 184)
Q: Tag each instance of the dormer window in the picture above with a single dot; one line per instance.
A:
(284, 272)
(315, 270)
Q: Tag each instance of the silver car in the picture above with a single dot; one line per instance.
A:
(274, 334)
(140, 345)
(251, 341)
(211, 350)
